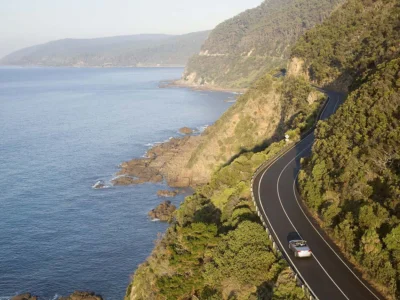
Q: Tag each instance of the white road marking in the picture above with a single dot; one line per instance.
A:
(280, 200)
(279, 241)
(355, 275)
(282, 247)
(337, 103)
(298, 203)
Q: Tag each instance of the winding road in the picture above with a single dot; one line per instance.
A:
(327, 274)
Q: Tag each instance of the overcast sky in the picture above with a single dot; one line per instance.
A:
(28, 22)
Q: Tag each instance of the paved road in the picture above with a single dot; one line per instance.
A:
(328, 274)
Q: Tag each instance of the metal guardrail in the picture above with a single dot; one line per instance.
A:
(304, 285)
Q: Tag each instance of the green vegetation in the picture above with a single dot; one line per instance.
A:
(352, 180)
(355, 39)
(216, 247)
(262, 115)
(242, 49)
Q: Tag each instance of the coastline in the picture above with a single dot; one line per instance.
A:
(166, 161)
(178, 83)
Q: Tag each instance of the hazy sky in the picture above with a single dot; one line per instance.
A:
(28, 22)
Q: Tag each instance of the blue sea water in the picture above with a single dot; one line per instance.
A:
(61, 130)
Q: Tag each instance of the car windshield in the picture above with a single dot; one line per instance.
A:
(300, 244)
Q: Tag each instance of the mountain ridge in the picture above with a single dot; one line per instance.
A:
(243, 48)
(119, 51)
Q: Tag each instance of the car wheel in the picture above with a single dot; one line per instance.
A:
(295, 254)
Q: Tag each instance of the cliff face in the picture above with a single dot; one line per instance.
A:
(258, 118)
(241, 49)
(253, 120)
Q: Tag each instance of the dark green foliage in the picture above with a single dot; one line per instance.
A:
(242, 49)
(354, 40)
(286, 289)
(352, 178)
(244, 254)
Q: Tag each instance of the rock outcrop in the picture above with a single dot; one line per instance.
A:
(186, 130)
(25, 296)
(190, 161)
(163, 212)
(77, 295)
(80, 295)
(167, 193)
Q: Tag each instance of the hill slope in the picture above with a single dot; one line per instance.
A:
(241, 49)
(351, 181)
(134, 50)
(214, 250)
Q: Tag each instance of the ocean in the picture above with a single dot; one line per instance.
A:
(61, 131)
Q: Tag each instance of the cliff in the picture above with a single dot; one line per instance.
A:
(258, 118)
(241, 49)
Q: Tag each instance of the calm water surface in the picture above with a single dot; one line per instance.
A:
(61, 130)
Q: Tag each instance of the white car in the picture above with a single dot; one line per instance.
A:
(300, 248)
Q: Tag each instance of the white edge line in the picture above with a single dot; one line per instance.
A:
(298, 203)
(283, 208)
(279, 241)
(259, 197)
(308, 219)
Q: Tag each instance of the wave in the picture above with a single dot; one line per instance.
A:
(100, 184)
(201, 129)
(155, 220)
(55, 297)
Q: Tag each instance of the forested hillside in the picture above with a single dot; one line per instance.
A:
(241, 49)
(121, 51)
(352, 179)
(216, 247)
(354, 41)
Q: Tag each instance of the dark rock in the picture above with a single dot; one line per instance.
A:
(167, 193)
(186, 130)
(25, 296)
(163, 212)
(82, 295)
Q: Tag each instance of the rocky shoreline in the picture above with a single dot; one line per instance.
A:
(163, 211)
(183, 84)
(152, 167)
(165, 161)
(77, 295)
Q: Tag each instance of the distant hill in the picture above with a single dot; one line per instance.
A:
(241, 49)
(120, 51)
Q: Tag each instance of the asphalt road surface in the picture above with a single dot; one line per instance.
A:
(327, 273)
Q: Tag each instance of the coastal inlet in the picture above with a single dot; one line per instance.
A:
(63, 130)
